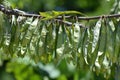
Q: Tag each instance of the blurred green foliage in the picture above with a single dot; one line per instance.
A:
(85, 6)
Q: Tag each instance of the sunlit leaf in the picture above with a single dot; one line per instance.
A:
(96, 34)
(112, 25)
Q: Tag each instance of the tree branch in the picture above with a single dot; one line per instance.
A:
(17, 12)
(59, 18)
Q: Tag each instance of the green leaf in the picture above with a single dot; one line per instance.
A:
(103, 41)
(112, 25)
(96, 44)
(96, 33)
(54, 14)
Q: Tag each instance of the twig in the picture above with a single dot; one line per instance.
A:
(69, 23)
(17, 12)
(98, 17)
(59, 18)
